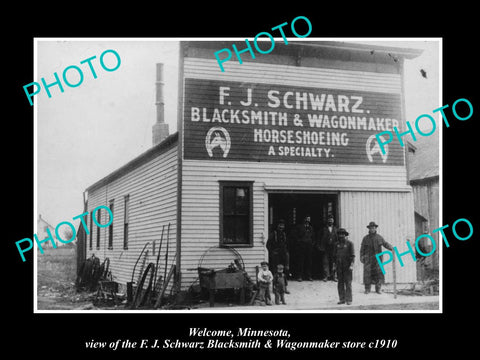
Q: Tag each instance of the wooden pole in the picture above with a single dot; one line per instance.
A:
(158, 259)
(166, 252)
(394, 272)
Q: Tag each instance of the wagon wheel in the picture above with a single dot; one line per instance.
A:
(216, 248)
(140, 295)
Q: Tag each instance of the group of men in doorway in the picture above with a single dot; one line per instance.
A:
(310, 252)
(326, 255)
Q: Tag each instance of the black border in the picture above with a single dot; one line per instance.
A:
(55, 335)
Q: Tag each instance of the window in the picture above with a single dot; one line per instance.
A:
(90, 243)
(110, 228)
(125, 221)
(99, 219)
(236, 222)
(411, 148)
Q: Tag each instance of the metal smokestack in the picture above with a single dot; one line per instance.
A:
(159, 129)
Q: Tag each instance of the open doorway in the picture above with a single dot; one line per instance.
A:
(292, 207)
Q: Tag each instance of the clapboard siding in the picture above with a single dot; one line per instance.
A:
(426, 195)
(201, 211)
(371, 192)
(291, 176)
(152, 187)
(256, 72)
(256, 135)
(393, 212)
(201, 221)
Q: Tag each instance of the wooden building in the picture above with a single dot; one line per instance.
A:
(44, 229)
(424, 179)
(279, 136)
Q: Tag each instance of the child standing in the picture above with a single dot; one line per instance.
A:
(279, 285)
(264, 278)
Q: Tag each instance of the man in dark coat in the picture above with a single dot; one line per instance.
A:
(305, 239)
(277, 247)
(344, 256)
(325, 245)
(372, 245)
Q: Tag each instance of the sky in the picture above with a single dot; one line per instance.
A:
(86, 132)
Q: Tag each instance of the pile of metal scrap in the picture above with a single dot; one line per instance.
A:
(149, 291)
(226, 285)
(430, 287)
(91, 272)
(97, 278)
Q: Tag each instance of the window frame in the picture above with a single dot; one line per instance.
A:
(247, 184)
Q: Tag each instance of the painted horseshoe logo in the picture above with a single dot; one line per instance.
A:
(218, 137)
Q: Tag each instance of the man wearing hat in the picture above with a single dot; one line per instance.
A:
(325, 246)
(344, 256)
(370, 247)
(305, 238)
(278, 250)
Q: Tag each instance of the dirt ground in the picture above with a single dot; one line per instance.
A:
(56, 275)
(323, 296)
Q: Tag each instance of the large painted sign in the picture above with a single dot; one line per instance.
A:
(243, 121)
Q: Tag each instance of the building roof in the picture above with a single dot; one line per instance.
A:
(424, 163)
(312, 46)
(154, 151)
(347, 51)
(392, 51)
(41, 219)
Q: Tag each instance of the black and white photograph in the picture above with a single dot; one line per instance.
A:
(251, 180)
(280, 184)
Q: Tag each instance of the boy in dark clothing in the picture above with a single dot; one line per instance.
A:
(279, 285)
